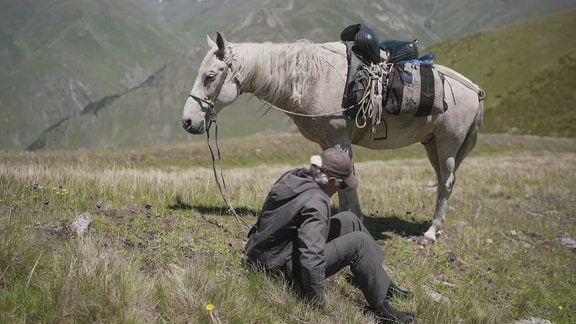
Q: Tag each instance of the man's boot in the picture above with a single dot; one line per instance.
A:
(397, 292)
(385, 313)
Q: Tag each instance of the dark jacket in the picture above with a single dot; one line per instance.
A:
(293, 227)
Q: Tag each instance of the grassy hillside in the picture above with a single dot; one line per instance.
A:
(527, 71)
(162, 247)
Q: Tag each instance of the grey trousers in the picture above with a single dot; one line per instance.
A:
(350, 244)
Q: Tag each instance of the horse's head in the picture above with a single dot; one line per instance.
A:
(214, 88)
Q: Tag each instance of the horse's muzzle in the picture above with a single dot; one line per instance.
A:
(199, 129)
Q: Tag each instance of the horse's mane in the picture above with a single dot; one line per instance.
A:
(276, 72)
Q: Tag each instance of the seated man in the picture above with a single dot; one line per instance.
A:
(297, 237)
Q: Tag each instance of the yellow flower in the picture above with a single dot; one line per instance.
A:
(560, 307)
(209, 307)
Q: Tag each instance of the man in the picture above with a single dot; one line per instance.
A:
(297, 237)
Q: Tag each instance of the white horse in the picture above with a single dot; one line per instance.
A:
(307, 81)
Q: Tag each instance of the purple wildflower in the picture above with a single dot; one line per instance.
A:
(229, 244)
(46, 201)
(148, 210)
(452, 256)
(36, 186)
(98, 205)
(60, 186)
(132, 211)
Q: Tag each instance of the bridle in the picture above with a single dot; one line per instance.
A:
(211, 100)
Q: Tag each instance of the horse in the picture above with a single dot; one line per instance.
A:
(306, 81)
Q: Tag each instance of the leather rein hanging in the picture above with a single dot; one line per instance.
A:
(211, 119)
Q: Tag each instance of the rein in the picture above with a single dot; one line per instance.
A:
(305, 115)
(222, 185)
(211, 119)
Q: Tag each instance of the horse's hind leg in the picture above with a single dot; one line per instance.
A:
(445, 162)
(445, 167)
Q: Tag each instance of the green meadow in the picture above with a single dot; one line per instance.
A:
(164, 248)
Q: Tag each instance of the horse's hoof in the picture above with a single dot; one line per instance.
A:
(430, 236)
(423, 241)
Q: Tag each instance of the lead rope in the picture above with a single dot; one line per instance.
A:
(370, 106)
(222, 186)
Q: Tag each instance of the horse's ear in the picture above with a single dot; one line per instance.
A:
(211, 43)
(221, 42)
(222, 46)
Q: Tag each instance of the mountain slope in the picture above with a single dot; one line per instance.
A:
(62, 55)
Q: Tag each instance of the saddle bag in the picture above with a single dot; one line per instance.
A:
(398, 50)
(414, 88)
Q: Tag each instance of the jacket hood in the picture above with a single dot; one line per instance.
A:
(294, 182)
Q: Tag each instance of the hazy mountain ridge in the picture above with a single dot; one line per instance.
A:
(94, 54)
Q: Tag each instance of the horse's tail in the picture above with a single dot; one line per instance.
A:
(472, 134)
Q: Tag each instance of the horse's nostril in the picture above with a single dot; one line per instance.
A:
(186, 123)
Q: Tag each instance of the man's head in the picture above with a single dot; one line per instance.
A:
(336, 163)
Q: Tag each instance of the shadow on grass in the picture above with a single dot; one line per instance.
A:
(379, 226)
(214, 209)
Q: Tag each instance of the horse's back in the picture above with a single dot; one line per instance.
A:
(448, 72)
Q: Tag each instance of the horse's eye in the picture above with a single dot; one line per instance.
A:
(210, 77)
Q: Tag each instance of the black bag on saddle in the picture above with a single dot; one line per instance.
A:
(398, 50)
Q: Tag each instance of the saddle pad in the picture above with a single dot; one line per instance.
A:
(415, 88)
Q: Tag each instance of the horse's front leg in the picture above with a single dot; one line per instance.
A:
(348, 200)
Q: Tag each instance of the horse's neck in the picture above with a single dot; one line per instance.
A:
(269, 71)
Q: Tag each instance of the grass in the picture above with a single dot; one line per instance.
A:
(162, 247)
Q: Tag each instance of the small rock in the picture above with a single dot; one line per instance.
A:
(437, 297)
(461, 224)
(82, 223)
(567, 242)
(532, 320)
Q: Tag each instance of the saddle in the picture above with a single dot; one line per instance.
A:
(368, 48)
(408, 84)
